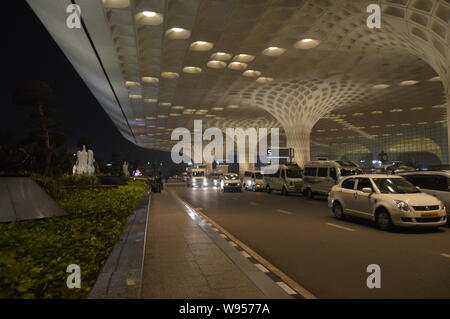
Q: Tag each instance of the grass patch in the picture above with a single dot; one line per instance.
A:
(34, 255)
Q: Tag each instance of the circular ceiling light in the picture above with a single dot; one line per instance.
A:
(306, 44)
(116, 4)
(273, 51)
(380, 86)
(233, 106)
(178, 33)
(192, 69)
(216, 64)
(408, 83)
(201, 46)
(149, 18)
(435, 79)
(170, 75)
(150, 100)
(239, 66)
(251, 73)
(246, 58)
(221, 56)
(131, 83)
(263, 79)
(150, 79)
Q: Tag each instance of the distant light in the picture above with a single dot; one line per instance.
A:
(192, 69)
(216, 64)
(178, 33)
(380, 86)
(273, 51)
(170, 75)
(149, 13)
(307, 44)
(149, 18)
(239, 66)
(109, 164)
(264, 80)
(201, 46)
(408, 83)
(221, 56)
(251, 73)
(150, 79)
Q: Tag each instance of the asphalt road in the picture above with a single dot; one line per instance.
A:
(327, 256)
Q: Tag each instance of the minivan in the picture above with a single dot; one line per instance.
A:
(320, 176)
(287, 179)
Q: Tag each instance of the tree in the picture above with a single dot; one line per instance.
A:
(36, 94)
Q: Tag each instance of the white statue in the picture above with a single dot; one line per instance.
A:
(82, 161)
(125, 169)
(90, 162)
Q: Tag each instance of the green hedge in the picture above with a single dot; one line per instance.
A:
(34, 255)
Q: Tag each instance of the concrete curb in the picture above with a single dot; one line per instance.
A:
(121, 275)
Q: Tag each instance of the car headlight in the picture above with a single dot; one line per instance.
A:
(403, 206)
(441, 206)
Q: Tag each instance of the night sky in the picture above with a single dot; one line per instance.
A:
(31, 53)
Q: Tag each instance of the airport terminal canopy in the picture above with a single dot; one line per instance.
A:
(311, 67)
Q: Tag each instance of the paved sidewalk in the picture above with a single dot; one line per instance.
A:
(183, 259)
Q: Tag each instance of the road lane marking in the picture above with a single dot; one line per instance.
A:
(232, 244)
(262, 268)
(286, 288)
(284, 212)
(340, 227)
(223, 236)
(244, 253)
(445, 255)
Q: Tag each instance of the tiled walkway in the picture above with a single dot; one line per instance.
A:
(183, 261)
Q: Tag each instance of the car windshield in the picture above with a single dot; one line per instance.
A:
(198, 174)
(349, 172)
(258, 176)
(395, 186)
(231, 177)
(293, 173)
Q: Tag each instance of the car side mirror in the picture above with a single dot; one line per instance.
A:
(367, 190)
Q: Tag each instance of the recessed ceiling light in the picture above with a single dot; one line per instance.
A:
(376, 112)
(233, 106)
(221, 56)
(165, 104)
(162, 116)
(150, 100)
(149, 18)
(422, 123)
(170, 75)
(408, 83)
(178, 107)
(178, 33)
(150, 79)
(216, 64)
(217, 108)
(131, 83)
(306, 44)
(244, 58)
(150, 118)
(239, 66)
(209, 115)
(174, 114)
(264, 79)
(135, 96)
(358, 114)
(201, 46)
(435, 79)
(417, 108)
(251, 73)
(116, 4)
(192, 69)
(273, 51)
(405, 124)
(380, 86)
(396, 110)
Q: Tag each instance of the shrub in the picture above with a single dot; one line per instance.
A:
(50, 186)
(78, 180)
(35, 254)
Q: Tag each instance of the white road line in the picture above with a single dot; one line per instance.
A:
(445, 255)
(340, 227)
(286, 288)
(232, 244)
(262, 268)
(223, 236)
(284, 212)
(215, 229)
(244, 253)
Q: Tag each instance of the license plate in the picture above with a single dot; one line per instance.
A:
(430, 214)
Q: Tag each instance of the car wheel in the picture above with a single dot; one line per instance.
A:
(284, 191)
(268, 189)
(338, 211)
(309, 193)
(254, 188)
(384, 221)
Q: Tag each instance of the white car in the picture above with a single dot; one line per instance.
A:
(230, 182)
(388, 200)
(253, 180)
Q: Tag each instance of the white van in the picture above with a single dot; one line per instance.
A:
(320, 176)
(287, 179)
(197, 178)
(253, 180)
